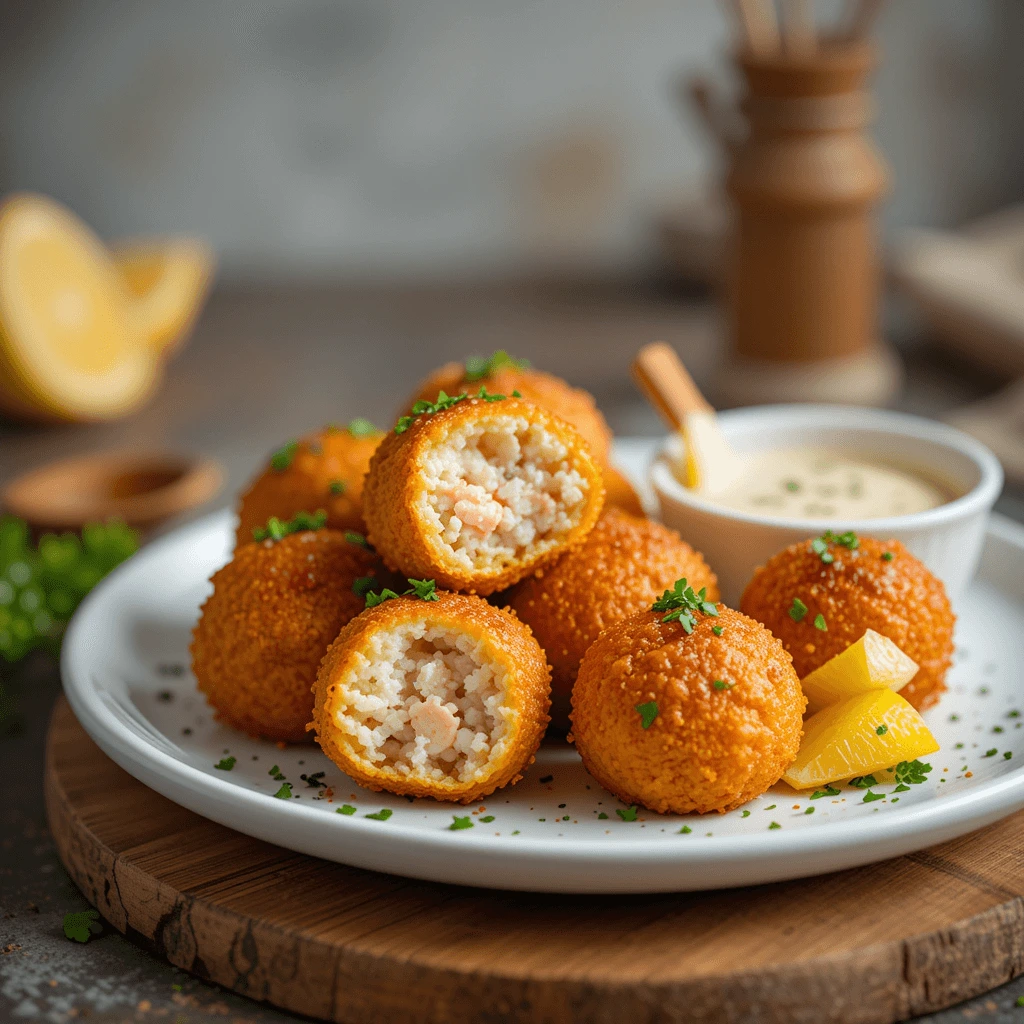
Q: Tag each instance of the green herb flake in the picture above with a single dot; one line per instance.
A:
(627, 813)
(810, 810)
(346, 809)
(516, 394)
(337, 487)
(720, 684)
(820, 548)
(478, 367)
(771, 807)
(284, 456)
(487, 397)
(684, 831)
(82, 925)
(373, 599)
(362, 585)
(1020, 1001)
(827, 791)
(487, 819)
(425, 590)
(870, 797)
(819, 623)
(648, 713)
(887, 556)
(774, 825)
(362, 427)
(745, 814)
(1007, 754)
(911, 773)
(355, 537)
(225, 764)
(382, 815)
(285, 792)
(718, 630)
(882, 730)
(277, 529)
(460, 823)
(902, 788)
(602, 816)
(797, 610)
(792, 486)
(681, 604)
(276, 774)
(424, 408)
(990, 753)
(863, 782)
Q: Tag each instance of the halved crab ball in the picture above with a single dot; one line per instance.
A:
(480, 494)
(445, 699)
(324, 470)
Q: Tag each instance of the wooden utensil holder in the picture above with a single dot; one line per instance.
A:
(804, 278)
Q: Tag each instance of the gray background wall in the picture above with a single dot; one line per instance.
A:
(444, 137)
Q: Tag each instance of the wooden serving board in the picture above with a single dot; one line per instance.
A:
(876, 944)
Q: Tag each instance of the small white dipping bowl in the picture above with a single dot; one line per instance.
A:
(948, 539)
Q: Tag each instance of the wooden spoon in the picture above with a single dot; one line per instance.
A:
(709, 463)
(140, 490)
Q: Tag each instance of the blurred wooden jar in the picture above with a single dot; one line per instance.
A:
(803, 286)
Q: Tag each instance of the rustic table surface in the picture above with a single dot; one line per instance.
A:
(265, 365)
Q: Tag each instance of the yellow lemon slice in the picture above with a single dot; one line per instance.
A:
(168, 279)
(66, 348)
(874, 662)
(863, 734)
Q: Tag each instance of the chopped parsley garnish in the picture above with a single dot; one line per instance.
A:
(648, 713)
(810, 810)
(1007, 755)
(870, 797)
(355, 537)
(882, 730)
(225, 764)
(362, 585)
(278, 529)
(275, 774)
(720, 684)
(487, 397)
(361, 427)
(863, 782)
(82, 925)
(792, 486)
(991, 753)
(745, 814)
(284, 456)
(314, 781)
(902, 788)
(912, 773)
(771, 807)
(718, 630)
(602, 816)
(478, 367)
(819, 623)
(460, 823)
(684, 831)
(424, 590)
(424, 408)
(681, 605)
(285, 792)
(487, 819)
(797, 610)
(337, 487)
(516, 394)
(820, 547)
(628, 813)
(345, 809)
(827, 791)
(887, 556)
(774, 825)
(382, 815)
(997, 728)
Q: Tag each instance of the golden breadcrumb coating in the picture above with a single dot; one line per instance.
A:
(326, 471)
(418, 479)
(620, 569)
(274, 610)
(860, 590)
(708, 748)
(619, 493)
(361, 660)
(574, 405)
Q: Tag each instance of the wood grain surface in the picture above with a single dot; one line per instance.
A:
(876, 944)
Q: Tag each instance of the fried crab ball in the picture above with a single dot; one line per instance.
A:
(476, 494)
(322, 471)
(687, 722)
(502, 374)
(274, 610)
(619, 493)
(445, 698)
(622, 566)
(820, 596)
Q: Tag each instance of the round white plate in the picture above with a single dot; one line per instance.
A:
(125, 669)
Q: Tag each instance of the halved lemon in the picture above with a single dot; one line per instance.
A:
(874, 662)
(168, 279)
(863, 734)
(67, 351)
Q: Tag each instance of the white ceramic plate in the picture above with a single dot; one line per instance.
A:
(125, 669)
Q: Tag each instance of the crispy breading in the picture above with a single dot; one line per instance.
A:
(624, 564)
(708, 747)
(897, 597)
(274, 610)
(499, 638)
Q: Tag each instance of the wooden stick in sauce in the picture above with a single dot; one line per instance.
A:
(661, 376)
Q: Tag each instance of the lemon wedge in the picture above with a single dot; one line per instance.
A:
(874, 662)
(67, 351)
(866, 733)
(168, 280)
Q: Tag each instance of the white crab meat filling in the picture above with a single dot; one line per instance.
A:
(426, 701)
(501, 490)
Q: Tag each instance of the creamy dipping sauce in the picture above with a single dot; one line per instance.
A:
(814, 483)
